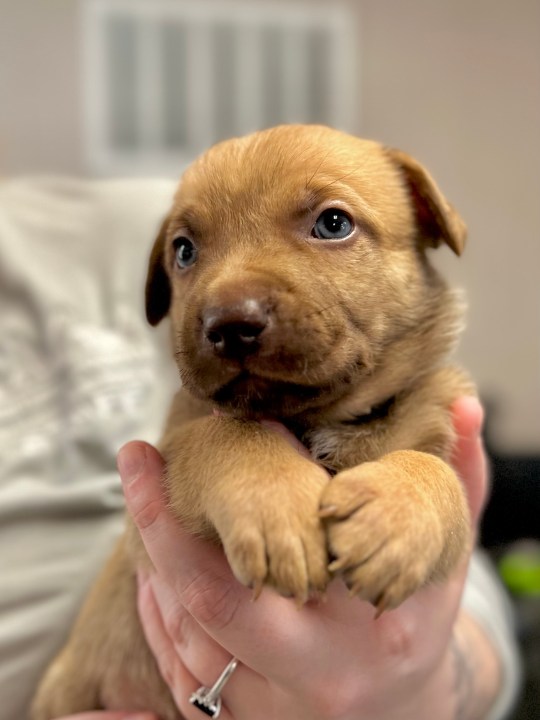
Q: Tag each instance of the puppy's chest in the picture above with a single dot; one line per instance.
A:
(341, 446)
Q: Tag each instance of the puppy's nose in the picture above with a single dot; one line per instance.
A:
(233, 331)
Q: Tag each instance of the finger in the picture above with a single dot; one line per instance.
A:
(140, 465)
(200, 653)
(158, 639)
(180, 627)
(174, 670)
(173, 633)
(468, 457)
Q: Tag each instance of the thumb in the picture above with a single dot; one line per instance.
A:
(468, 457)
(196, 570)
(141, 469)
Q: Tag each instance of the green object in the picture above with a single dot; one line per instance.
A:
(520, 570)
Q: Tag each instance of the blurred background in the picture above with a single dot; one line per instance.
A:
(112, 88)
(115, 87)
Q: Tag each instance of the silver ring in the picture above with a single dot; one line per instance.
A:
(208, 700)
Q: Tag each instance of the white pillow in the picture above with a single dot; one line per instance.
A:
(81, 372)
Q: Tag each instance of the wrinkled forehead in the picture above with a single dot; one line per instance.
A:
(286, 170)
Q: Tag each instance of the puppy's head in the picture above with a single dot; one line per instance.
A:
(291, 261)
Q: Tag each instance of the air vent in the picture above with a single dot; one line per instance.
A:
(165, 79)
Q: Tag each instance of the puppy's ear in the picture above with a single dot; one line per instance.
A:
(158, 287)
(437, 220)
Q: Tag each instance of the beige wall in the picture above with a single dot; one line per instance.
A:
(40, 117)
(455, 82)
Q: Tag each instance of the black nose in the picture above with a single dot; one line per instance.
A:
(234, 331)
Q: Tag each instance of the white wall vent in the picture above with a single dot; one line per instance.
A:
(164, 79)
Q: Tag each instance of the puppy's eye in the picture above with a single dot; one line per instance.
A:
(186, 252)
(332, 224)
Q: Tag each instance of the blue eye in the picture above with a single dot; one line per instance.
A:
(186, 252)
(332, 224)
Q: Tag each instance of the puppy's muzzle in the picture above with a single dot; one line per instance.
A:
(234, 331)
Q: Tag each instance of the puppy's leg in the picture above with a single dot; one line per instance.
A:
(64, 690)
(395, 524)
(245, 483)
(106, 662)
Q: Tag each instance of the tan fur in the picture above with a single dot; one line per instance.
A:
(353, 358)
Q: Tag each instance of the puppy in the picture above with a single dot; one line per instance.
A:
(293, 269)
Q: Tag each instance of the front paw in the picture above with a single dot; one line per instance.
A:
(272, 534)
(384, 533)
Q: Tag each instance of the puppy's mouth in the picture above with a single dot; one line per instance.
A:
(256, 396)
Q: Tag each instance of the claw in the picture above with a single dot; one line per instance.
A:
(301, 598)
(383, 601)
(338, 565)
(257, 590)
(300, 601)
(381, 604)
(354, 589)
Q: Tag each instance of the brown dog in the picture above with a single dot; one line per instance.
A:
(293, 268)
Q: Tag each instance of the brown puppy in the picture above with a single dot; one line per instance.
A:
(293, 268)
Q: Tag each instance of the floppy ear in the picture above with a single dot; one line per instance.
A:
(437, 220)
(158, 287)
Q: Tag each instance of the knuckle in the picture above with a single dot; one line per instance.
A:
(176, 625)
(398, 641)
(146, 515)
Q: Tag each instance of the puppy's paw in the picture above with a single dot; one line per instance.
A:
(385, 537)
(274, 536)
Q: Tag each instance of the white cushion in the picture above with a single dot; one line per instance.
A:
(81, 372)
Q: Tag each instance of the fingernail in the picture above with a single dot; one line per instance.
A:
(131, 461)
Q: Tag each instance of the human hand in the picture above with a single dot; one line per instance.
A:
(328, 660)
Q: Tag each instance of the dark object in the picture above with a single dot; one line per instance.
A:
(513, 510)
(204, 708)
